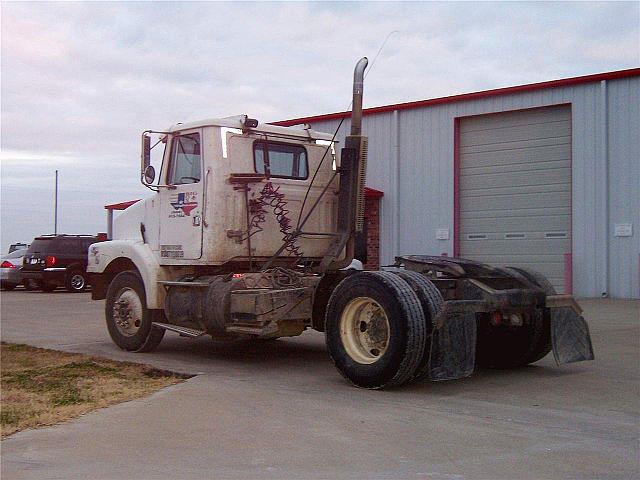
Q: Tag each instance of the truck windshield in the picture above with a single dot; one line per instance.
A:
(185, 159)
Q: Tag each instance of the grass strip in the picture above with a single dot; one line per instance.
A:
(42, 387)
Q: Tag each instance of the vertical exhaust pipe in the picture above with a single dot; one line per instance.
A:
(359, 143)
(358, 87)
(353, 168)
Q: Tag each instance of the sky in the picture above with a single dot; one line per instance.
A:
(81, 81)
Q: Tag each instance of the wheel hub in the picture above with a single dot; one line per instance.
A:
(127, 312)
(364, 330)
(77, 282)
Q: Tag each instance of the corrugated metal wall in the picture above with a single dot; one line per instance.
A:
(624, 185)
(411, 159)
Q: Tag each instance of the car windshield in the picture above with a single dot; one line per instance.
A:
(17, 253)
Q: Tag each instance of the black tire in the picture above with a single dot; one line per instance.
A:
(8, 286)
(76, 281)
(541, 345)
(536, 278)
(142, 336)
(47, 287)
(432, 303)
(511, 346)
(404, 329)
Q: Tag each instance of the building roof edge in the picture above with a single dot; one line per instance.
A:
(597, 77)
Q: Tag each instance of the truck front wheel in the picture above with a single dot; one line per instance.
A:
(375, 330)
(129, 321)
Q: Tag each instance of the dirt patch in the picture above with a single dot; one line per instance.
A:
(44, 387)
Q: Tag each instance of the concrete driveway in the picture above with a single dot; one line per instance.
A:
(279, 410)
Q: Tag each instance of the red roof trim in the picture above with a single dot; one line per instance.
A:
(121, 205)
(631, 72)
(373, 193)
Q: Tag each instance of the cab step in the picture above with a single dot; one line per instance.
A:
(184, 284)
(246, 329)
(183, 331)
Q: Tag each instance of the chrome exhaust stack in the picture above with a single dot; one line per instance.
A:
(358, 87)
(353, 169)
(359, 143)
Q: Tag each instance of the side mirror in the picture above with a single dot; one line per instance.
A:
(146, 151)
(149, 174)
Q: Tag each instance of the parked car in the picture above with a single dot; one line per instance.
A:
(11, 269)
(17, 246)
(58, 261)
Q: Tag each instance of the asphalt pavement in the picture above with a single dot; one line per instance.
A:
(279, 410)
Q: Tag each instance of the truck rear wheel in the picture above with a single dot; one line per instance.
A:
(129, 321)
(513, 346)
(541, 345)
(432, 303)
(375, 330)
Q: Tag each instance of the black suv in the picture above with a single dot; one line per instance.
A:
(58, 261)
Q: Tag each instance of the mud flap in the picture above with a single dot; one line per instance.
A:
(453, 347)
(570, 336)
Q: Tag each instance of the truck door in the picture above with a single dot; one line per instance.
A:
(181, 204)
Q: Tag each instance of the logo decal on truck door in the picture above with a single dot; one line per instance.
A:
(183, 203)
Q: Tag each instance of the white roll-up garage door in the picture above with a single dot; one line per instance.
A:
(515, 189)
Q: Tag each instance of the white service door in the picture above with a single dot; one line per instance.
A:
(515, 190)
(181, 207)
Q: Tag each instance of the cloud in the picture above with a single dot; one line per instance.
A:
(81, 80)
(28, 158)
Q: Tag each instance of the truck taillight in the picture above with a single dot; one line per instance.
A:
(50, 261)
(7, 264)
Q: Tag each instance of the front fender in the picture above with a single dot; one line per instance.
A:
(103, 254)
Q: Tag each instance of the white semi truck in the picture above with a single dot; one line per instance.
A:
(248, 235)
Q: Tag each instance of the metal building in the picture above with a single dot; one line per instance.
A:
(544, 175)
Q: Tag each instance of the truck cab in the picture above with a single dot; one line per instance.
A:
(226, 197)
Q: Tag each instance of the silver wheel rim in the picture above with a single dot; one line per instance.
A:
(364, 330)
(77, 282)
(127, 312)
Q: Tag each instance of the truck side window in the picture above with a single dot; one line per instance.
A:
(280, 160)
(185, 164)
